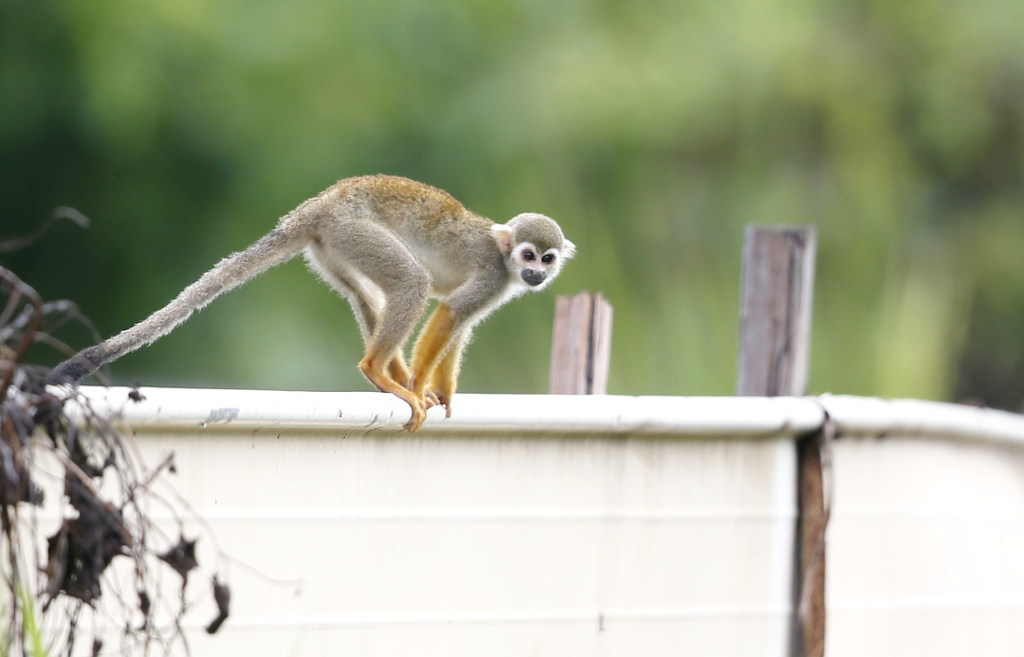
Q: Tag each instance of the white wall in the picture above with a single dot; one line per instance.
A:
(496, 545)
(926, 549)
(473, 543)
(587, 525)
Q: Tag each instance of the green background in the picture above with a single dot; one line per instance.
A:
(652, 131)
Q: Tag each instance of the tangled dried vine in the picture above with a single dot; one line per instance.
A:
(75, 502)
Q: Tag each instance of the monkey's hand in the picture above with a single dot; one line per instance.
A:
(439, 395)
(446, 401)
(433, 394)
(430, 398)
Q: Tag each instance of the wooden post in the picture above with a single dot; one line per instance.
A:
(581, 345)
(812, 520)
(774, 352)
(775, 316)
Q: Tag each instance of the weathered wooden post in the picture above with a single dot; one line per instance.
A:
(581, 345)
(774, 352)
(775, 311)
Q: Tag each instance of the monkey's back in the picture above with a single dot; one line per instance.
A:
(395, 199)
(445, 237)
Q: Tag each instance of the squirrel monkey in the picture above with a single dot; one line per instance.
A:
(387, 244)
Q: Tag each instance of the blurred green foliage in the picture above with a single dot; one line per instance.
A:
(652, 130)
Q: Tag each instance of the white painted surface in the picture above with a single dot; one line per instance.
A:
(926, 538)
(926, 549)
(558, 525)
(622, 530)
(187, 409)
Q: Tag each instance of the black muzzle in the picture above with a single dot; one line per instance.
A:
(533, 277)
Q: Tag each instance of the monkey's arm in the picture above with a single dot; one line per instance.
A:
(434, 341)
(438, 351)
(444, 379)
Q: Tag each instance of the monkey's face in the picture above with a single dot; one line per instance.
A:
(536, 267)
(535, 249)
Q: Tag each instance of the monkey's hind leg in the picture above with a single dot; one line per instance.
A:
(405, 285)
(362, 298)
(375, 371)
(368, 318)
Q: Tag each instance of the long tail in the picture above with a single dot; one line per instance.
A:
(281, 244)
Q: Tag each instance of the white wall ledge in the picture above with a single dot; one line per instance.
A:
(551, 524)
(346, 412)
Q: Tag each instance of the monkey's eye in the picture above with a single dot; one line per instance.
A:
(548, 259)
(528, 256)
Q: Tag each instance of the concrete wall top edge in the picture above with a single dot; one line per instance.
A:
(741, 417)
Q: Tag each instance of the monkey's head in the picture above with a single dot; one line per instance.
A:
(534, 248)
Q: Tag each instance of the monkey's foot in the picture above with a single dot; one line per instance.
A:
(372, 370)
(419, 414)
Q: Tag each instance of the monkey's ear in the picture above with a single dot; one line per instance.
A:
(504, 237)
(568, 249)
